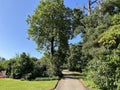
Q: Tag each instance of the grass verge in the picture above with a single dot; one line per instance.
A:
(90, 84)
(11, 84)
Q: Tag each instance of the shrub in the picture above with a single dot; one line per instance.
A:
(46, 78)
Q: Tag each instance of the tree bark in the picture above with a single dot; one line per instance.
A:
(90, 3)
(89, 7)
(52, 46)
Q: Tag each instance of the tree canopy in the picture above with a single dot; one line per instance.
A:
(50, 25)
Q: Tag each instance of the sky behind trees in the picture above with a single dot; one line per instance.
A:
(13, 27)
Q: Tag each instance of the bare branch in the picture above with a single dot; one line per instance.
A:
(93, 2)
(85, 7)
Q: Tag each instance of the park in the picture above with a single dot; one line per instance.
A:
(79, 47)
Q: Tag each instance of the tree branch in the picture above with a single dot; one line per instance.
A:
(93, 2)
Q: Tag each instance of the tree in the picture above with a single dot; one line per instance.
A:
(9, 67)
(100, 31)
(101, 42)
(2, 59)
(50, 25)
(3, 64)
(111, 38)
(89, 9)
(20, 67)
(100, 47)
(107, 65)
(110, 6)
(25, 63)
(74, 59)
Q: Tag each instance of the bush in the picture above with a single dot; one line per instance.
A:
(28, 68)
(46, 78)
(118, 88)
(28, 76)
(22, 79)
(75, 62)
(56, 66)
(104, 73)
(39, 70)
(24, 67)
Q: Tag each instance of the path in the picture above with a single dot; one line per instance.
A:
(69, 82)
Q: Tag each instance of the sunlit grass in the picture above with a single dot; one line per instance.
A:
(11, 84)
(90, 84)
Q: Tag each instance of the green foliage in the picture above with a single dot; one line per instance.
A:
(78, 15)
(53, 24)
(111, 38)
(105, 71)
(39, 70)
(74, 61)
(27, 67)
(19, 66)
(101, 45)
(53, 65)
(51, 27)
(110, 6)
(3, 64)
(50, 20)
(115, 20)
(46, 78)
(56, 65)
(2, 59)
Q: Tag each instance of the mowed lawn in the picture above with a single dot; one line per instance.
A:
(11, 84)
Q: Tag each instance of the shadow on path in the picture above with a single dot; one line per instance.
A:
(70, 81)
(72, 76)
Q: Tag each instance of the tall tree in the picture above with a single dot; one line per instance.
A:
(89, 9)
(50, 25)
(110, 6)
(101, 45)
(75, 63)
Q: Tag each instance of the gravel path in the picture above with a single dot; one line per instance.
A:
(69, 82)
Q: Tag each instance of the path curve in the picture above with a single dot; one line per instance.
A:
(69, 82)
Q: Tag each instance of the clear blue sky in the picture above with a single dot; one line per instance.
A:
(13, 27)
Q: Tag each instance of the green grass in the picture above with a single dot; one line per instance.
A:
(89, 84)
(11, 84)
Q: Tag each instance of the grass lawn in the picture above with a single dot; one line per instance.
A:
(11, 84)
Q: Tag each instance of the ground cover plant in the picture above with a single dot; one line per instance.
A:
(13, 84)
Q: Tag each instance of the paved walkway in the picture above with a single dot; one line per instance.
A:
(69, 82)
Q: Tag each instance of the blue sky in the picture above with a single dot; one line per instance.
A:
(13, 27)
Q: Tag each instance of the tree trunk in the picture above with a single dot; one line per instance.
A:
(90, 3)
(52, 46)
(89, 7)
